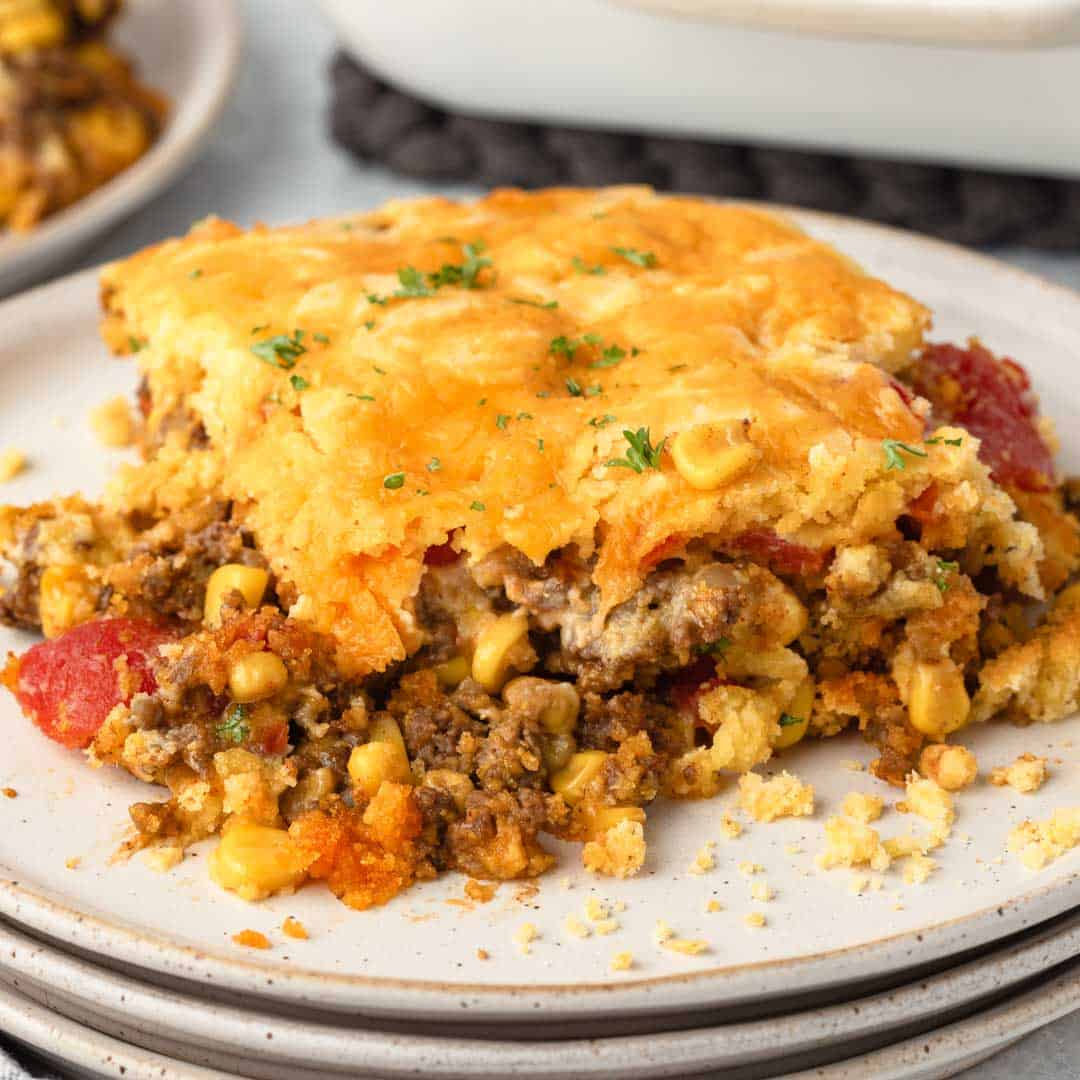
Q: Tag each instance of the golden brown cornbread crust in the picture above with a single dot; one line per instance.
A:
(742, 317)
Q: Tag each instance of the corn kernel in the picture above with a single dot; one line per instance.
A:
(598, 821)
(558, 703)
(249, 581)
(256, 861)
(375, 762)
(557, 751)
(571, 781)
(495, 650)
(256, 676)
(709, 455)
(796, 717)
(938, 702)
(451, 672)
(384, 728)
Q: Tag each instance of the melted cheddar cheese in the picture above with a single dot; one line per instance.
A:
(488, 414)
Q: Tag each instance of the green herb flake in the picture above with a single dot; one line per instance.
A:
(281, 350)
(361, 397)
(195, 274)
(322, 339)
(259, 329)
(574, 387)
(592, 391)
(502, 420)
(713, 648)
(937, 439)
(476, 504)
(378, 370)
(299, 383)
(551, 305)
(137, 344)
(645, 259)
(369, 324)
(524, 416)
(482, 402)
(894, 451)
(787, 720)
(642, 454)
(234, 728)
(602, 421)
(563, 346)
(375, 298)
(942, 571)
(346, 226)
(540, 445)
(678, 367)
(394, 481)
(434, 465)
(582, 267)
(609, 357)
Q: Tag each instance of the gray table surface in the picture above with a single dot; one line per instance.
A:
(271, 160)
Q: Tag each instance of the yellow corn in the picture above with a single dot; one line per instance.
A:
(249, 581)
(598, 821)
(571, 781)
(451, 672)
(257, 676)
(384, 728)
(796, 716)
(557, 751)
(710, 455)
(375, 762)
(257, 861)
(495, 647)
(65, 599)
(938, 701)
(560, 702)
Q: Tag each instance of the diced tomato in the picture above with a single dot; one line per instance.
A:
(69, 685)
(441, 555)
(778, 554)
(992, 398)
(689, 683)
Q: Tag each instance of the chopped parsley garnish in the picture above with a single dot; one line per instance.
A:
(551, 305)
(895, 450)
(942, 571)
(369, 324)
(476, 504)
(322, 339)
(281, 350)
(413, 283)
(592, 391)
(195, 274)
(602, 421)
(137, 344)
(501, 421)
(375, 298)
(346, 226)
(259, 329)
(574, 387)
(524, 416)
(713, 648)
(434, 465)
(393, 481)
(642, 454)
(234, 728)
(582, 267)
(609, 357)
(645, 259)
(361, 397)
(378, 370)
(787, 720)
(940, 439)
(482, 402)
(299, 382)
(678, 367)
(419, 283)
(540, 445)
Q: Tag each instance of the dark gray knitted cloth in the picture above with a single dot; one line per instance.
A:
(379, 123)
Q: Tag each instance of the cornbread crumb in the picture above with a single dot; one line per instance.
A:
(858, 883)
(606, 926)
(483, 954)
(782, 796)
(931, 802)
(703, 861)
(851, 843)
(620, 852)
(950, 767)
(596, 909)
(755, 919)
(619, 905)
(713, 906)
(252, 939)
(761, 891)
(793, 849)
(73, 863)
(112, 424)
(687, 946)
(899, 847)
(1039, 843)
(1026, 774)
(730, 827)
(622, 961)
(479, 891)
(9, 793)
(294, 928)
(852, 765)
(525, 936)
(864, 808)
(662, 932)
(575, 927)
(749, 869)
(163, 858)
(917, 868)
(12, 462)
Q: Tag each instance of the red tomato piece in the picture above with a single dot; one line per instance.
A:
(992, 398)
(69, 685)
(689, 683)
(781, 556)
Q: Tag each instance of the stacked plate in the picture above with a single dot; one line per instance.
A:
(113, 968)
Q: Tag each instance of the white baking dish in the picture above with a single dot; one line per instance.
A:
(594, 63)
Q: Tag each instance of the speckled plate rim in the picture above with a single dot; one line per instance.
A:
(377, 995)
(87, 993)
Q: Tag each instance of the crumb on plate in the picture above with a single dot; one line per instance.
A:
(851, 843)
(950, 767)
(1026, 774)
(111, 422)
(619, 852)
(252, 939)
(1039, 843)
(862, 808)
(294, 928)
(12, 462)
(782, 796)
(622, 961)
(755, 920)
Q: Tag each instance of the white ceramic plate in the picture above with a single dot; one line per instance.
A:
(190, 51)
(184, 1025)
(418, 956)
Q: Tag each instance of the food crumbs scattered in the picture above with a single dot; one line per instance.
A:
(12, 462)
(851, 843)
(852, 765)
(619, 852)
(662, 932)
(10, 793)
(478, 891)
(1039, 843)
(951, 767)
(782, 796)
(713, 906)
(686, 946)
(112, 424)
(482, 954)
(703, 861)
(575, 927)
(606, 926)
(864, 808)
(163, 859)
(596, 909)
(252, 939)
(730, 827)
(1026, 774)
(761, 892)
(622, 961)
(793, 849)
(525, 936)
(858, 884)
(917, 868)
(931, 802)
(73, 863)
(755, 920)
(749, 869)
(294, 928)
